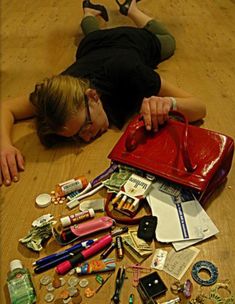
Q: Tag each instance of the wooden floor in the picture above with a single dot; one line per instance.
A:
(39, 39)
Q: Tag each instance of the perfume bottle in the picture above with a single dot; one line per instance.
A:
(20, 285)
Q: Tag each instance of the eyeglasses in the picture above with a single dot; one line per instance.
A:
(88, 122)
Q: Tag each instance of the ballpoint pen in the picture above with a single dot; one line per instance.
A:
(54, 256)
(57, 261)
(84, 254)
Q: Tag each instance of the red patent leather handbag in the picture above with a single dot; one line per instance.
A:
(191, 156)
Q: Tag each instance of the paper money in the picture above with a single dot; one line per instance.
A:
(40, 232)
(139, 243)
(117, 180)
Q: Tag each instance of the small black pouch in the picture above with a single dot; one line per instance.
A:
(151, 286)
(147, 228)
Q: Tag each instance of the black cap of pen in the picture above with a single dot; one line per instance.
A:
(108, 251)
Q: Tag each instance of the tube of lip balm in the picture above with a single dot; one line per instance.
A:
(77, 217)
(96, 266)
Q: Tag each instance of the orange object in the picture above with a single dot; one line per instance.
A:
(71, 185)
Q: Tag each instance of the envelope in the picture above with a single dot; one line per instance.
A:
(177, 220)
(208, 229)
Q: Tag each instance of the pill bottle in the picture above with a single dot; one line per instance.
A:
(71, 185)
(20, 285)
(77, 217)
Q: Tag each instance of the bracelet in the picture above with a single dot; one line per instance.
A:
(174, 103)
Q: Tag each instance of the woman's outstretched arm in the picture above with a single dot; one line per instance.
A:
(11, 159)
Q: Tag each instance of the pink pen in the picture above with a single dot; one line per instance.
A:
(85, 254)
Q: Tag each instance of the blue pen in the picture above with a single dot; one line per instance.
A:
(60, 254)
(57, 261)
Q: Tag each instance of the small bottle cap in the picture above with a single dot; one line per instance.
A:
(43, 200)
(65, 221)
(15, 264)
(92, 212)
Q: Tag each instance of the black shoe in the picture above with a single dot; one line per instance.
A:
(97, 7)
(124, 8)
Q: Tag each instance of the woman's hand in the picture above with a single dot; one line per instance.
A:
(155, 111)
(11, 162)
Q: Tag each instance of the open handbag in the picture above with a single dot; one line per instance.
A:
(194, 157)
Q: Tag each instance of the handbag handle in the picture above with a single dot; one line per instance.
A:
(131, 142)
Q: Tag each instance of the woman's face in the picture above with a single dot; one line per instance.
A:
(87, 124)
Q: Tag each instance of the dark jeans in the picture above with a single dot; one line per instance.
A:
(90, 24)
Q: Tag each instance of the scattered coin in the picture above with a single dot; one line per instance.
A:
(45, 280)
(49, 297)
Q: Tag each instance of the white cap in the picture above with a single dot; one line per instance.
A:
(43, 200)
(92, 212)
(65, 221)
(15, 264)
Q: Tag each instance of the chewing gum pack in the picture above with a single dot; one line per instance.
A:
(127, 200)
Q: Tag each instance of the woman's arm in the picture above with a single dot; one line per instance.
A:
(155, 109)
(11, 159)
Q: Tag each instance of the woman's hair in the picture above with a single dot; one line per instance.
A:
(55, 100)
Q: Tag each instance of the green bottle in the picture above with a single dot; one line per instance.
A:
(20, 285)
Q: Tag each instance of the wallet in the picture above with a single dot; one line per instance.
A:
(147, 228)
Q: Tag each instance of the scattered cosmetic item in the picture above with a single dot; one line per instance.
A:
(77, 217)
(95, 266)
(71, 185)
(20, 285)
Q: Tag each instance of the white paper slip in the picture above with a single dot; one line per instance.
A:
(176, 221)
(177, 263)
(207, 226)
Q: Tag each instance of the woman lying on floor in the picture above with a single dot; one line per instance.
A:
(113, 77)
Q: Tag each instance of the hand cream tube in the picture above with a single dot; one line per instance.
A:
(96, 266)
